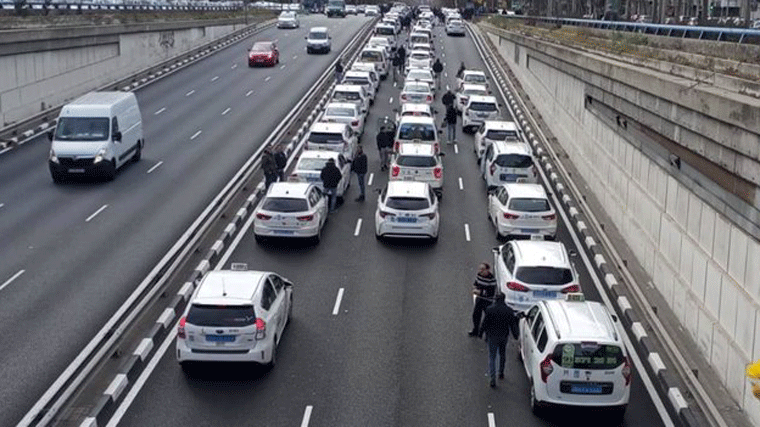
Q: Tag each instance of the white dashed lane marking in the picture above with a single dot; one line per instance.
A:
(190, 93)
(215, 78)
(282, 67)
(268, 78)
(461, 184)
(89, 218)
(248, 93)
(224, 113)
(491, 420)
(390, 101)
(369, 181)
(233, 67)
(195, 135)
(467, 232)
(155, 166)
(358, 227)
(9, 281)
(456, 148)
(306, 416)
(338, 299)
(159, 111)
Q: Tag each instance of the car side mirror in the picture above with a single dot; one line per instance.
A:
(50, 135)
(395, 110)
(440, 131)
(614, 318)
(306, 38)
(116, 136)
(378, 190)
(495, 249)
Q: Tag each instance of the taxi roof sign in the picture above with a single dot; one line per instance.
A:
(575, 297)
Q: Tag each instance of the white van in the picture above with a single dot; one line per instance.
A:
(377, 56)
(95, 135)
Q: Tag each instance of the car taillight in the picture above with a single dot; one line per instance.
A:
(261, 328)
(305, 218)
(395, 170)
(535, 171)
(181, 328)
(436, 147)
(430, 215)
(396, 145)
(383, 214)
(464, 100)
(355, 123)
(551, 217)
(571, 288)
(492, 169)
(627, 371)
(263, 216)
(438, 173)
(514, 286)
(546, 368)
(429, 98)
(403, 97)
(508, 215)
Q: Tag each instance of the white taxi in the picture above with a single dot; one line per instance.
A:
(332, 137)
(495, 130)
(417, 129)
(235, 315)
(345, 112)
(522, 210)
(479, 109)
(505, 162)
(473, 77)
(421, 75)
(407, 209)
(414, 110)
(418, 162)
(466, 91)
(309, 166)
(291, 209)
(416, 92)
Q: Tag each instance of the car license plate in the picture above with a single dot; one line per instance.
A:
(406, 219)
(76, 170)
(509, 177)
(220, 338)
(408, 177)
(529, 230)
(536, 237)
(586, 389)
(283, 231)
(544, 294)
(312, 178)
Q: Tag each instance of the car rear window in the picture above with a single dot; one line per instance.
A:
(285, 204)
(501, 135)
(356, 81)
(480, 92)
(411, 131)
(261, 47)
(346, 96)
(482, 106)
(340, 112)
(407, 203)
(544, 275)
(529, 205)
(514, 161)
(475, 78)
(418, 75)
(588, 355)
(221, 315)
(311, 164)
(386, 31)
(325, 138)
(372, 56)
(416, 161)
(419, 55)
(417, 88)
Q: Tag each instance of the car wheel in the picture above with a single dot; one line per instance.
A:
(434, 240)
(290, 309)
(318, 237)
(535, 405)
(273, 359)
(378, 236)
(111, 171)
(138, 153)
(259, 238)
(187, 368)
(57, 177)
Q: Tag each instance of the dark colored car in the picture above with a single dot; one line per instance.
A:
(263, 53)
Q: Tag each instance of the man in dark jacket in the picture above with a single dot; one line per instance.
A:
(401, 53)
(330, 179)
(269, 166)
(498, 322)
(338, 71)
(437, 69)
(448, 98)
(384, 146)
(484, 290)
(281, 160)
(451, 123)
(359, 167)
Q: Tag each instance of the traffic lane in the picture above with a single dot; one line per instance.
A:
(121, 271)
(641, 409)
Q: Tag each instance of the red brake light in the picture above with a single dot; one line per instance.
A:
(627, 371)
(535, 171)
(517, 287)
(305, 218)
(508, 215)
(492, 168)
(383, 214)
(263, 216)
(438, 173)
(430, 215)
(261, 328)
(429, 98)
(396, 145)
(181, 328)
(546, 368)
(355, 123)
(403, 97)
(395, 170)
(571, 288)
(551, 217)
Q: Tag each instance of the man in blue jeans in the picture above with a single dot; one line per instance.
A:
(499, 321)
(359, 166)
(331, 177)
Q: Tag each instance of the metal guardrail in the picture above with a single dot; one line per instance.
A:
(734, 35)
(9, 7)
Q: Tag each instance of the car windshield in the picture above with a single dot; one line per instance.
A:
(284, 204)
(419, 55)
(483, 106)
(386, 31)
(221, 315)
(417, 88)
(416, 161)
(371, 56)
(407, 203)
(501, 135)
(529, 205)
(514, 161)
(340, 112)
(356, 80)
(82, 129)
(419, 39)
(325, 138)
(475, 78)
(544, 275)
(317, 35)
(588, 355)
(346, 96)
(311, 164)
(424, 132)
(261, 47)
(419, 75)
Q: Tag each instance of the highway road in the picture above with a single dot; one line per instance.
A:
(72, 253)
(394, 350)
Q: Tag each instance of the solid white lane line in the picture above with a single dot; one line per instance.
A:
(248, 93)
(338, 299)
(14, 277)
(282, 67)
(215, 78)
(224, 113)
(190, 93)
(467, 232)
(159, 111)
(491, 420)
(102, 208)
(195, 135)
(155, 166)
(461, 185)
(358, 227)
(306, 416)
(456, 148)
(268, 78)
(369, 181)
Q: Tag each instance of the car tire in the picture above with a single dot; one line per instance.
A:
(138, 153)
(378, 237)
(259, 238)
(57, 177)
(317, 237)
(111, 171)
(535, 406)
(187, 368)
(273, 359)
(434, 240)
(290, 309)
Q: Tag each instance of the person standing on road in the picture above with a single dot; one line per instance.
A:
(384, 145)
(331, 176)
(338, 71)
(451, 124)
(280, 160)
(397, 65)
(401, 53)
(484, 290)
(437, 69)
(448, 98)
(498, 322)
(359, 166)
(269, 165)
(462, 69)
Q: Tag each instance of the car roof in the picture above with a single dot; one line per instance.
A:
(408, 148)
(581, 321)
(318, 30)
(541, 253)
(420, 51)
(473, 86)
(534, 191)
(329, 127)
(483, 98)
(348, 88)
(350, 105)
(500, 125)
(510, 147)
(288, 189)
(416, 119)
(473, 72)
(318, 154)
(407, 188)
(413, 106)
(227, 286)
(374, 49)
(357, 73)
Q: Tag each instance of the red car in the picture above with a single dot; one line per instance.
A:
(263, 53)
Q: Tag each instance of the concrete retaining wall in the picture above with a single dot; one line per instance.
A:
(38, 73)
(705, 265)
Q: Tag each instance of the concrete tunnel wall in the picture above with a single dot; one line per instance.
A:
(703, 264)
